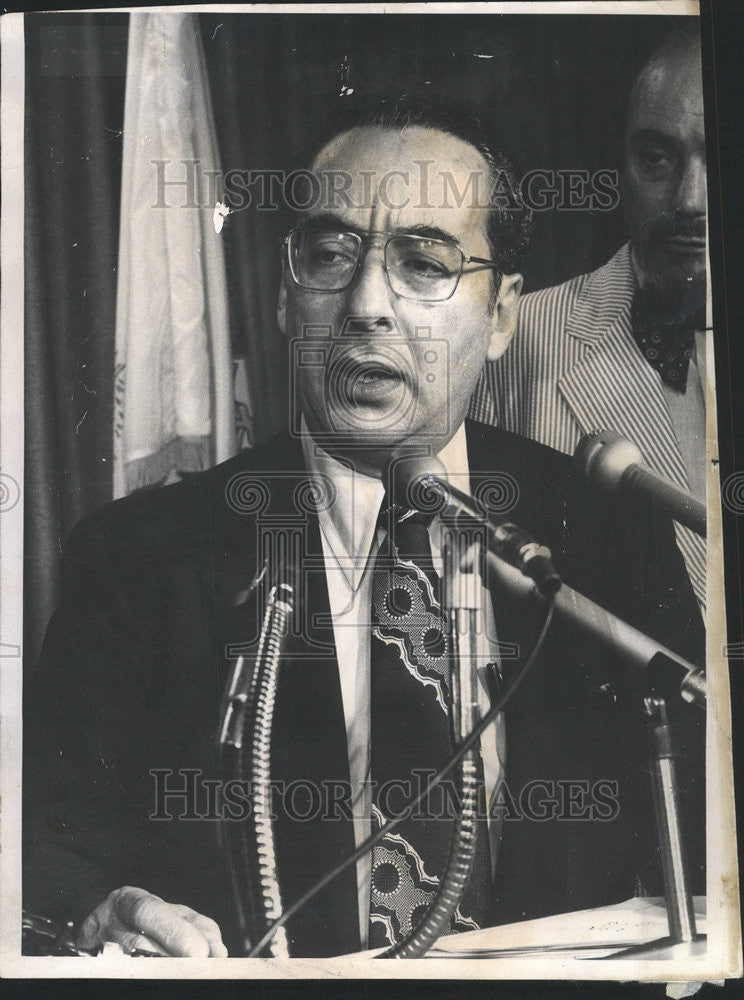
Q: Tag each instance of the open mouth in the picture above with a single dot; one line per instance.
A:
(371, 381)
(372, 390)
(372, 372)
(368, 380)
(369, 369)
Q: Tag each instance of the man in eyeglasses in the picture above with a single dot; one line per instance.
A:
(397, 285)
(412, 297)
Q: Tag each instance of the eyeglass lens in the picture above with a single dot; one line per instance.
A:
(327, 260)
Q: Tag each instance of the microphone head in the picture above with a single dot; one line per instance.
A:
(605, 456)
(410, 482)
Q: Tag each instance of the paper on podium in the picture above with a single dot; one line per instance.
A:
(587, 934)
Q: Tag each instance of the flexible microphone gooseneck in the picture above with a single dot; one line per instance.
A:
(616, 464)
(245, 747)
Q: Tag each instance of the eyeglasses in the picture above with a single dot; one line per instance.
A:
(417, 267)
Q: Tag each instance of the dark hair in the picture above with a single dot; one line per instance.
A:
(509, 221)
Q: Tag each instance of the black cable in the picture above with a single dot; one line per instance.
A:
(375, 838)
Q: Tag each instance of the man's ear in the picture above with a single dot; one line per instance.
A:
(281, 306)
(504, 316)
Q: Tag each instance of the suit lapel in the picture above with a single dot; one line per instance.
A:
(612, 386)
(310, 761)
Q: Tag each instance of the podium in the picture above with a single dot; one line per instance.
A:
(585, 934)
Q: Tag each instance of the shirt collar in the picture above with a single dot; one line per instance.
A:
(349, 523)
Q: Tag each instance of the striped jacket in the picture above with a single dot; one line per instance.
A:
(574, 367)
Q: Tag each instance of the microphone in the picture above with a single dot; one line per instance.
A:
(633, 647)
(420, 482)
(615, 464)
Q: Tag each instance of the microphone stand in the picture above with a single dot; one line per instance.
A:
(664, 670)
(683, 940)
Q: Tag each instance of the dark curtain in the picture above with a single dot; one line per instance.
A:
(553, 87)
(74, 111)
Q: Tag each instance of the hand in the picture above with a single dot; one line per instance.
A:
(135, 919)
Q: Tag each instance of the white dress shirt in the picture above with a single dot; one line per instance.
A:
(351, 540)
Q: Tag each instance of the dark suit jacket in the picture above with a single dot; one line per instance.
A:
(134, 665)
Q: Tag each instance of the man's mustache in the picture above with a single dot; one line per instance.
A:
(668, 226)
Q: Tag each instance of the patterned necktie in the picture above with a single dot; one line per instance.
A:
(667, 338)
(411, 738)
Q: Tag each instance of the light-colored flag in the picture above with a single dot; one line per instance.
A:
(173, 389)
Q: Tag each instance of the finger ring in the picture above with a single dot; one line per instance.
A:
(135, 944)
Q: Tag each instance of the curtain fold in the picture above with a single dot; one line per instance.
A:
(74, 111)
